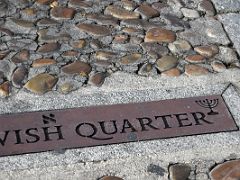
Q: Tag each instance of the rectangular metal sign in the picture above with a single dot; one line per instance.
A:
(101, 125)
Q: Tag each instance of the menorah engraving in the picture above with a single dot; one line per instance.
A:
(208, 104)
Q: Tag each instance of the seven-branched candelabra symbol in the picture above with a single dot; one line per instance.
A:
(208, 104)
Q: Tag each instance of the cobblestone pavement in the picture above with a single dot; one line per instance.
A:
(48, 45)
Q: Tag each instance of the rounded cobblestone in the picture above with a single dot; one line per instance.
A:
(48, 36)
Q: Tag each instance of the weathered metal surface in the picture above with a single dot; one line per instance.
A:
(101, 125)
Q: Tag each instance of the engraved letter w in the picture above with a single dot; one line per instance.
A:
(2, 141)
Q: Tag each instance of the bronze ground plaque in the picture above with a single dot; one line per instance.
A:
(101, 125)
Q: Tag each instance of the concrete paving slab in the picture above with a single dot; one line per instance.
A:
(231, 22)
(130, 160)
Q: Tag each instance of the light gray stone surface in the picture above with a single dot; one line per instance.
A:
(205, 31)
(130, 160)
(190, 13)
(227, 55)
(227, 5)
(231, 24)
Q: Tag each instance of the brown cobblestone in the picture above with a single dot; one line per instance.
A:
(160, 35)
(147, 11)
(48, 48)
(95, 30)
(43, 62)
(121, 13)
(195, 70)
(77, 67)
(228, 170)
(41, 83)
(62, 13)
(5, 89)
